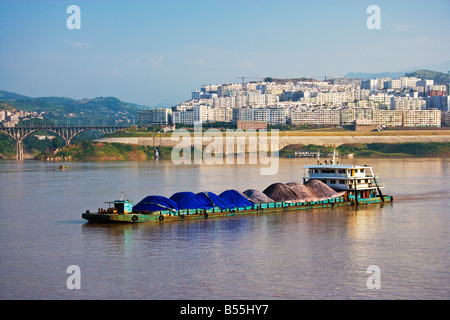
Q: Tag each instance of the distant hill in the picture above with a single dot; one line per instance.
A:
(438, 77)
(443, 67)
(99, 110)
(363, 75)
(6, 96)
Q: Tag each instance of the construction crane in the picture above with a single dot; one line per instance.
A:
(321, 77)
(243, 80)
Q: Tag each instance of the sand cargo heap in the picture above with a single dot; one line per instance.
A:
(323, 186)
(313, 190)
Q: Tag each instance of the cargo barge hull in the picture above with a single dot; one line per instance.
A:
(216, 212)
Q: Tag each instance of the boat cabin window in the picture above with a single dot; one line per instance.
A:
(341, 171)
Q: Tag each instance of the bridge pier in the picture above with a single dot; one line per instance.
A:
(19, 150)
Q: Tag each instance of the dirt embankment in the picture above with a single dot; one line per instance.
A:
(326, 139)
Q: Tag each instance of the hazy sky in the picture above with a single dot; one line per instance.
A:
(159, 51)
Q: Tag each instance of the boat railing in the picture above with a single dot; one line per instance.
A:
(337, 175)
(341, 175)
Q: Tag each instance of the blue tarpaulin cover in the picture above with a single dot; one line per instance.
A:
(236, 198)
(156, 203)
(189, 200)
(214, 200)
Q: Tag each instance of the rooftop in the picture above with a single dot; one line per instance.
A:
(335, 166)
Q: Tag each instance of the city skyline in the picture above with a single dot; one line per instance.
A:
(158, 52)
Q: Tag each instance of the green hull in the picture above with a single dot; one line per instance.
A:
(272, 207)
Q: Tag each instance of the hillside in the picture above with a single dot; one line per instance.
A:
(93, 151)
(438, 77)
(6, 106)
(94, 111)
(365, 75)
(10, 96)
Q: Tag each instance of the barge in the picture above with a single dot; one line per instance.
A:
(353, 185)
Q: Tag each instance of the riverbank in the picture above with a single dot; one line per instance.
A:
(103, 151)
(286, 138)
(98, 151)
(377, 150)
(388, 143)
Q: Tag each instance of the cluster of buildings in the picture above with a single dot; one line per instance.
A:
(11, 118)
(406, 101)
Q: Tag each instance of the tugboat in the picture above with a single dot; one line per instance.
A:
(359, 182)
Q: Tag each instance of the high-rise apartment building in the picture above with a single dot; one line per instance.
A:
(370, 84)
(318, 116)
(391, 118)
(439, 102)
(157, 117)
(421, 118)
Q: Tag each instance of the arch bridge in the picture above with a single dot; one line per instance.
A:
(65, 132)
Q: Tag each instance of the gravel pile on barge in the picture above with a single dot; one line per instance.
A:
(303, 192)
(321, 190)
(312, 190)
(257, 196)
(280, 192)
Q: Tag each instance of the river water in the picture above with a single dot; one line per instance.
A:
(316, 254)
